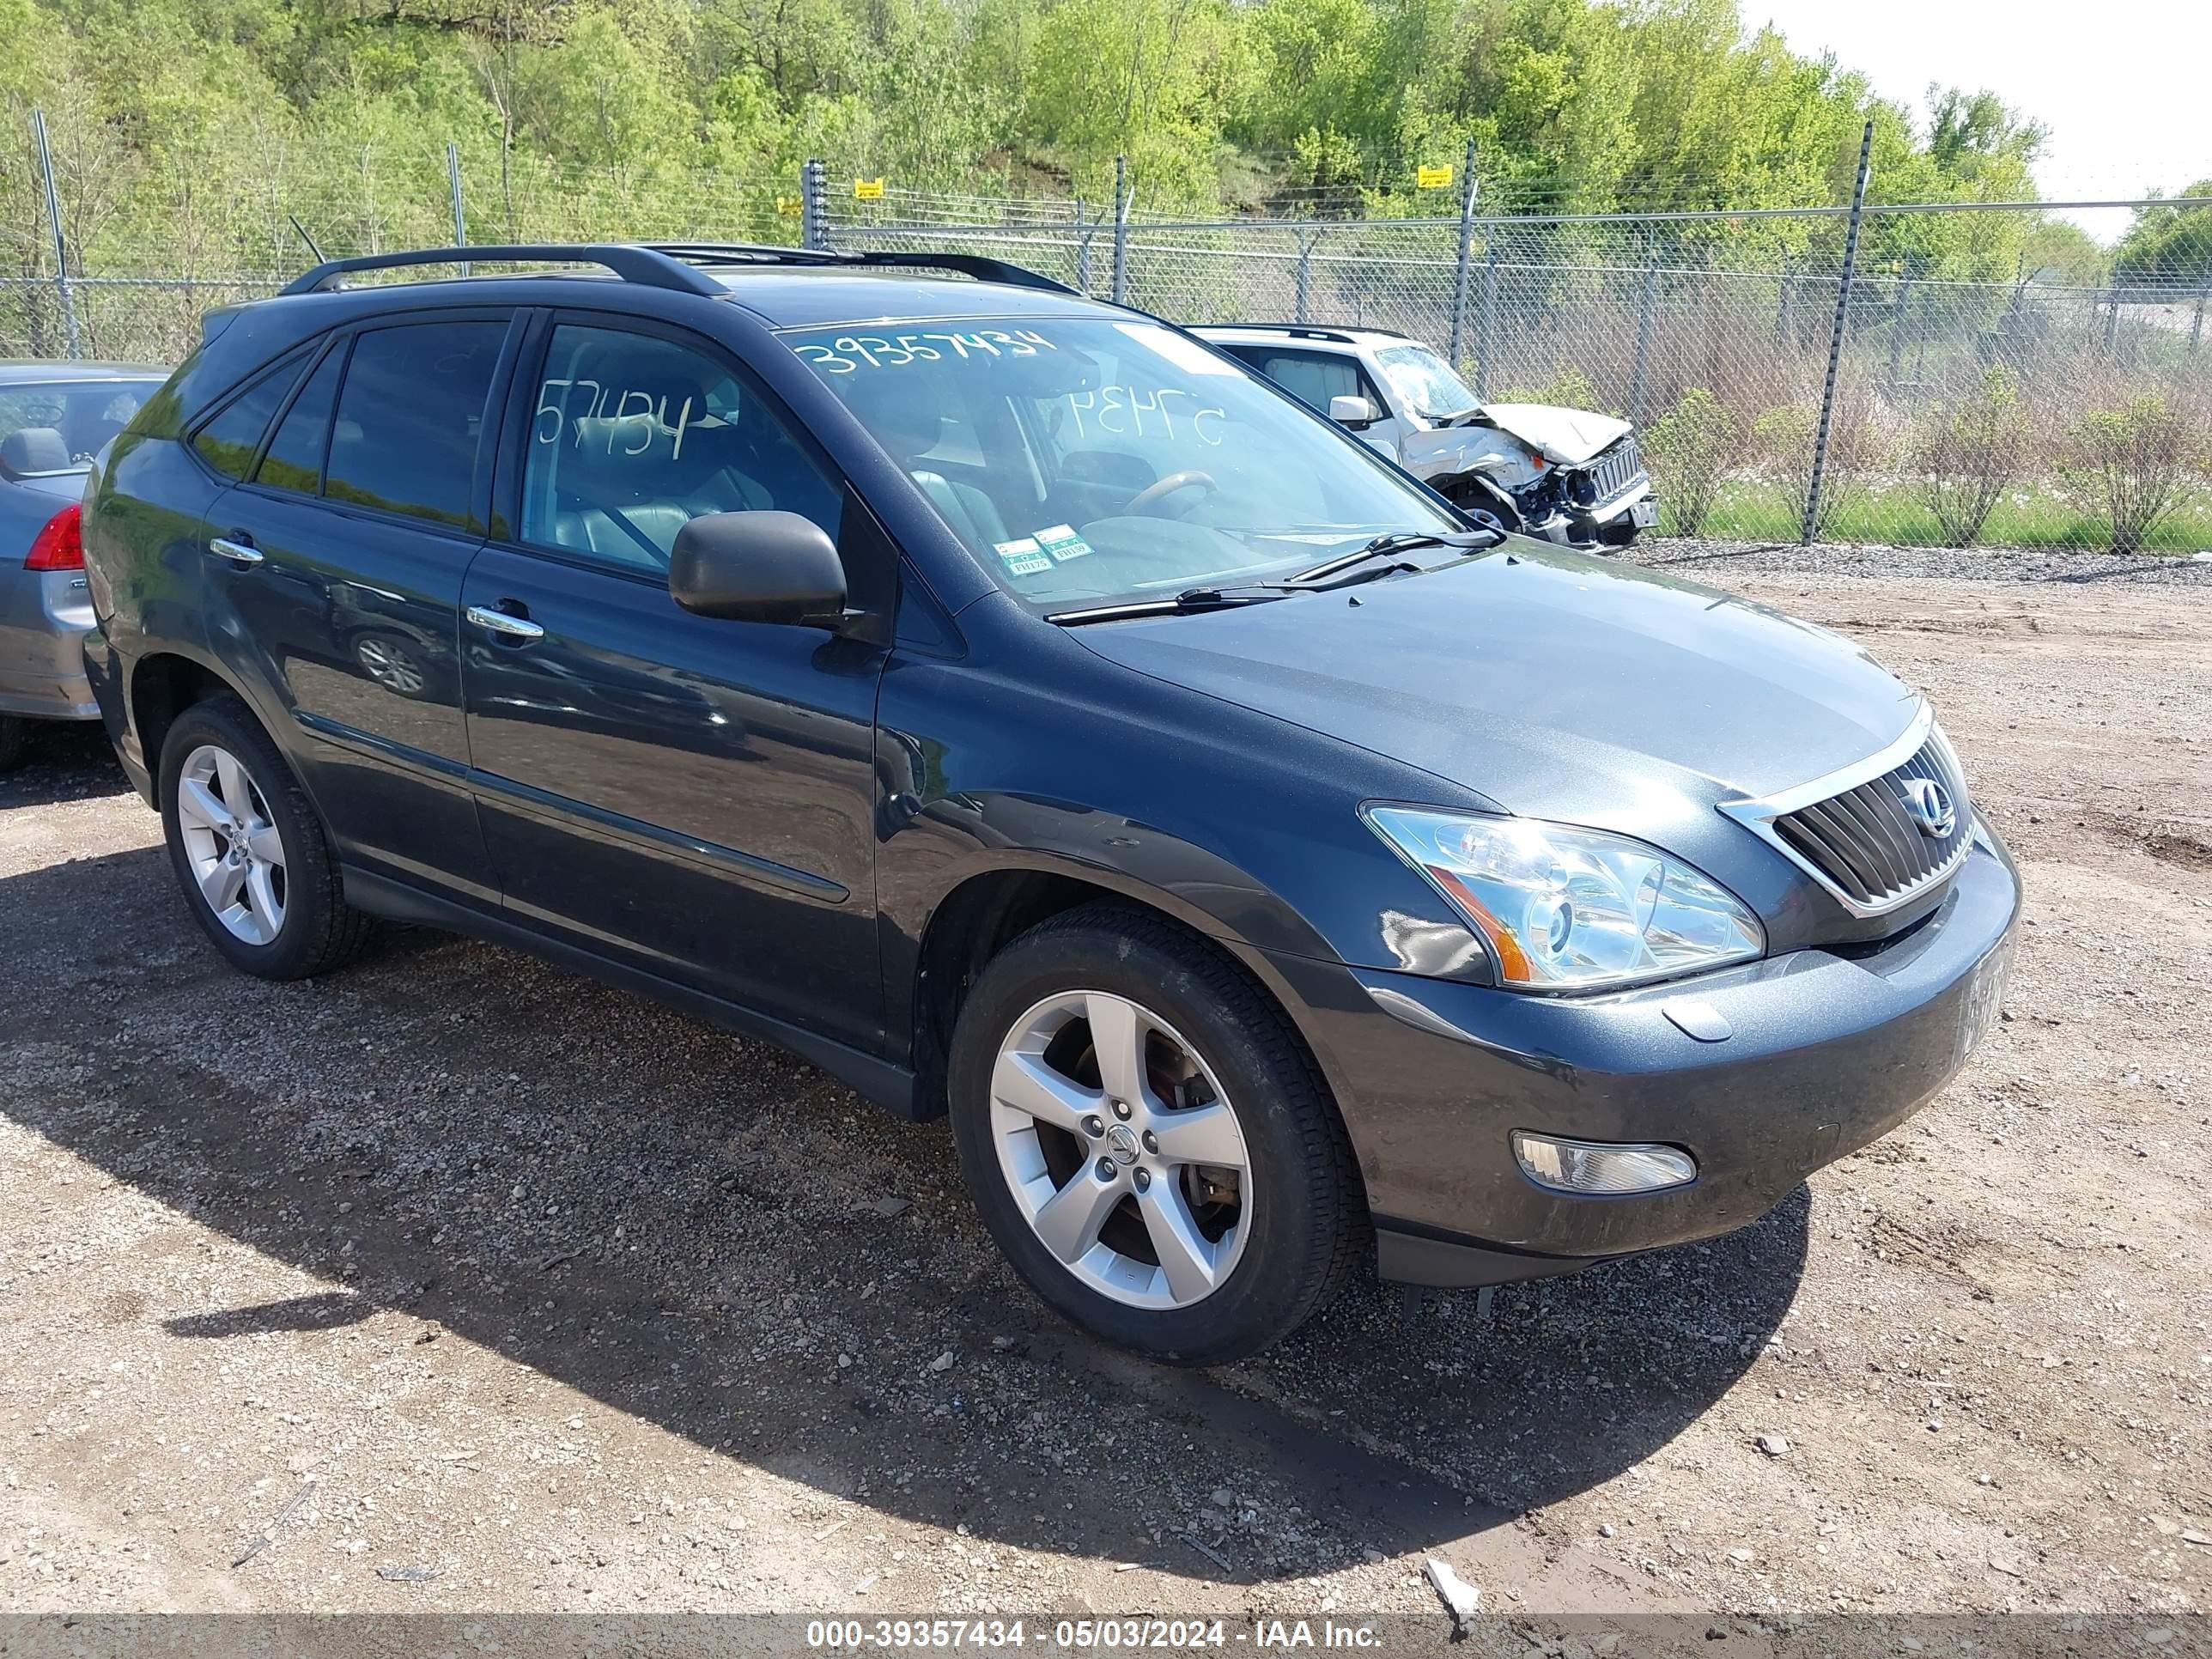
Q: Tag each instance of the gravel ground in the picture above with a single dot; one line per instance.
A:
(458, 1283)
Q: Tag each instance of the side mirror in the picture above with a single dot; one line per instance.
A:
(765, 567)
(1354, 412)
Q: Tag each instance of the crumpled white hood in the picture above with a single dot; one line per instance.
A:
(1564, 437)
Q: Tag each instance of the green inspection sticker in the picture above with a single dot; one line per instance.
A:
(1062, 543)
(1022, 557)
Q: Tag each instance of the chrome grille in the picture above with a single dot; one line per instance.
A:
(1611, 472)
(1860, 834)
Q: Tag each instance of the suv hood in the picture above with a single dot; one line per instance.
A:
(1553, 685)
(1564, 437)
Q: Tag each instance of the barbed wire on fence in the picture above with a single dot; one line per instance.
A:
(2025, 408)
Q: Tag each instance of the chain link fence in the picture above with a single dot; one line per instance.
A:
(2034, 412)
(1753, 355)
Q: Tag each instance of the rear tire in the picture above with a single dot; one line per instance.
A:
(249, 850)
(15, 737)
(1173, 1230)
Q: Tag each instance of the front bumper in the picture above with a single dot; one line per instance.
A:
(1824, 1052)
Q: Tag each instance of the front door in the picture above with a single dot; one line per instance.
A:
(695, 797)
(334, 573)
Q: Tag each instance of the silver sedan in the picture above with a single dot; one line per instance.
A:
(54, 418)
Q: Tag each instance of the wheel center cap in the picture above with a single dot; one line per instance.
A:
(1121, 1144)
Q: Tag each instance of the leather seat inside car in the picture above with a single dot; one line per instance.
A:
(34, 449)
(625, 490)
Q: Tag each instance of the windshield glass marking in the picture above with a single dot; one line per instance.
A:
(850, 351)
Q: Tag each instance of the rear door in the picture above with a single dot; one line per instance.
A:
(334, 579)
(694, 797)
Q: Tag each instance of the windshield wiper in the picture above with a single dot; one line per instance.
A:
(1402, 541)
(1184, 603)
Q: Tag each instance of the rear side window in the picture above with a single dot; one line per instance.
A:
(229, 442)
(295, 460)
(410, 417)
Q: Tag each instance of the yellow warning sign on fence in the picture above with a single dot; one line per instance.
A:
(868, 190)
(790, 206)
(1432, 178)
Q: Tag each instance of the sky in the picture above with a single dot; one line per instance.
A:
(2122, 87)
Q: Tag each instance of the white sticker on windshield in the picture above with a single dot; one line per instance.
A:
(1062, 543)
(1185, 354)
(1022, 556)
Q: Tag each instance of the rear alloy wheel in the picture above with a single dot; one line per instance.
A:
(235, 853)
(1148, 1140)
(249, 849)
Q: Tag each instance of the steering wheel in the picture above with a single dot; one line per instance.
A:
(1153, 494)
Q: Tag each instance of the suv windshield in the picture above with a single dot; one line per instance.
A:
(1424, 382)
(1088, 460)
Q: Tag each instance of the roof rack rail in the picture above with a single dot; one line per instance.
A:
(676, 265)
(980, 266)
(628, 260)
(1342, 333)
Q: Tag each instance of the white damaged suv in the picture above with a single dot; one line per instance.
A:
(1565, 474)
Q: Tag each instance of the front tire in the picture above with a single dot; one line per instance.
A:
(249, 850)
(1148, 1141)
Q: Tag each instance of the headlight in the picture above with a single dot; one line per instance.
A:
(1571, 909)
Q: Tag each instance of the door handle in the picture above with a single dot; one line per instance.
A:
(245, 555)
(500, 622)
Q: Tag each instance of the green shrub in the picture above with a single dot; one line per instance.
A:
(1784, 438)
(2135, 459)
(1968, 455)
(1690, 450)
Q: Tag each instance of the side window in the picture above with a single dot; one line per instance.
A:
(294, 459)
(1313, 377)
(227, 442)
(637, 435)
(409, 418)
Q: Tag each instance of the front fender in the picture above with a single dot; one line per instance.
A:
(1240, 826)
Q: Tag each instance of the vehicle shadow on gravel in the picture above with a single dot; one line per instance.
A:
(462, 1142)
(62, 760)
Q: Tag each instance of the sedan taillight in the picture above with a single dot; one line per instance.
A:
(60, 545)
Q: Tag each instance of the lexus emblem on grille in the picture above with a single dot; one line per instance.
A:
(1929, 803)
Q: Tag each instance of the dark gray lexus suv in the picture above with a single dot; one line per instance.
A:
(1015, 707)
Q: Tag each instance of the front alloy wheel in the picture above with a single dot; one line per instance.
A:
(1148, 1138)
(1121, 1149)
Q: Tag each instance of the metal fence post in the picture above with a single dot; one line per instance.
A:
(1305, 307)
(1465, 252)
(1486, 333)
(2196, 325)
(54, 222)
(1119, 289)
(1644, 312)
(1898, 319)
(813, 212)
(453, 185)
(1812, 526)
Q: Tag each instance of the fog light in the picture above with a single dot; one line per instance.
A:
(1588, 1166)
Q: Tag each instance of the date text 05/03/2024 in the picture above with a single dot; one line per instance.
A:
(1089, 1635)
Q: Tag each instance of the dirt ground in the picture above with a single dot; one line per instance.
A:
(457, 1282)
